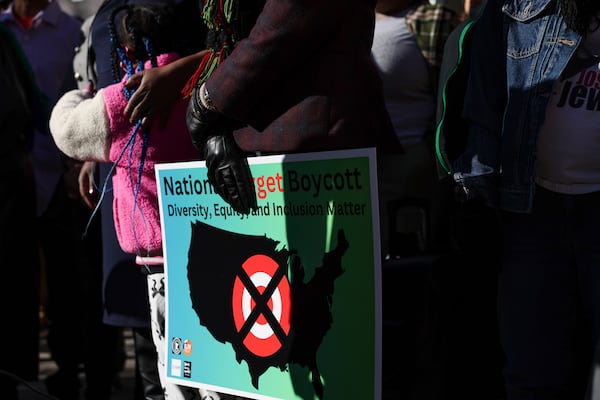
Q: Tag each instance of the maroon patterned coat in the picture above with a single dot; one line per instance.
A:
(303, 80)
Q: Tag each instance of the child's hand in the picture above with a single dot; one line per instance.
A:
(89, 195)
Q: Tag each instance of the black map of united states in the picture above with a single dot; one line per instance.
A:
(241, 292)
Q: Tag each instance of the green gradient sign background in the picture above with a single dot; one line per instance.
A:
(302, 215)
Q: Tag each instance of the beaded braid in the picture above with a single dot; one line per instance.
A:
(115, 57)
(145, 28)
(228, 21)
(117, 54)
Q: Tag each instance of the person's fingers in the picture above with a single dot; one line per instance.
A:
(136, 106)
(134, 80)
(89, 200)
(83, 189)
(82, 179)
(244, 186)
(146, 121)
(86, 186)
(235, 186)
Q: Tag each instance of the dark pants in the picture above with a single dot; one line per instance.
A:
(19, 295)
(77, 335)
(549, 296)
(147, 380)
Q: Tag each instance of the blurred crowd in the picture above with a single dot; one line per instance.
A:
(481, 112)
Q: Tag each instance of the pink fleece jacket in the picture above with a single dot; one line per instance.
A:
(137, 219)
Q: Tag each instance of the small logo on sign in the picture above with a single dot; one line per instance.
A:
(187, 347)
(176, 367)
(176, 346)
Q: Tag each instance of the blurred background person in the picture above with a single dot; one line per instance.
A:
(70, 264)
(20, 109)
(407, 48)
(519, 139)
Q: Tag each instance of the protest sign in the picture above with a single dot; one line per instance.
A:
(283, 303)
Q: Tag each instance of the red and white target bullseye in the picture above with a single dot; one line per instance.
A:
(261, 340)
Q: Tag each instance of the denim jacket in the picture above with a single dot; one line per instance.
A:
(515, 51)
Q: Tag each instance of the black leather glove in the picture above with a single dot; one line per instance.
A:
(228, 169)
(229, 173)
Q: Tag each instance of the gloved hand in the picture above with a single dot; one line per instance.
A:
(228, 169)
(229, 173)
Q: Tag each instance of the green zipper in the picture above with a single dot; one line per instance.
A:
(438, 129)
